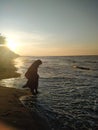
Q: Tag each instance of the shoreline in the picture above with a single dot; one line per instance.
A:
(13, 115)
(8, 70)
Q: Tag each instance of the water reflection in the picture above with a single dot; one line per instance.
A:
(18, 62)
(16, 82)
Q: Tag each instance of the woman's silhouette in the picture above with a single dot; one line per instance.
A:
(33, 77)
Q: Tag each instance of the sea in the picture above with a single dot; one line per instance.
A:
(68, 91)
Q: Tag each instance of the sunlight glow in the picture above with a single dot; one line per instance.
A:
(11, 45)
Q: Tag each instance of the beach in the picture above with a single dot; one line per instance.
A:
(13, 115)
(67, 96)
(11, 110)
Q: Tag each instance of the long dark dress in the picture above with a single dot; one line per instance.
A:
(33, 78)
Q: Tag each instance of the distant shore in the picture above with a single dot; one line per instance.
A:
(7, 68)
(8, 72)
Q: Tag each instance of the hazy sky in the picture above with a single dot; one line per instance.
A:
(51, 27)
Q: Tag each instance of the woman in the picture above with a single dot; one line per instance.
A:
(33, 77)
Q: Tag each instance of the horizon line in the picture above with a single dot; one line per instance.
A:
(56, 55)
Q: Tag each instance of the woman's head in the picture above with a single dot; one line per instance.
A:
(37, 63)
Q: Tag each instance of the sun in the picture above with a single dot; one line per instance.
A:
(11, 45)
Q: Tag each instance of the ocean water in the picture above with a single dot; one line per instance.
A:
(68, 98)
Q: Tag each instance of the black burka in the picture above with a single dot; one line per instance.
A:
(32, 83)
(33, 76)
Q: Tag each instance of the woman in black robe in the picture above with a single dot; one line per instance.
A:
(33, 77)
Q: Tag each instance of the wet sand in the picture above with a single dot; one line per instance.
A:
(12, 113)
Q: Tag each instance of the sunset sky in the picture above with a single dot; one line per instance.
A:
(50, 27)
